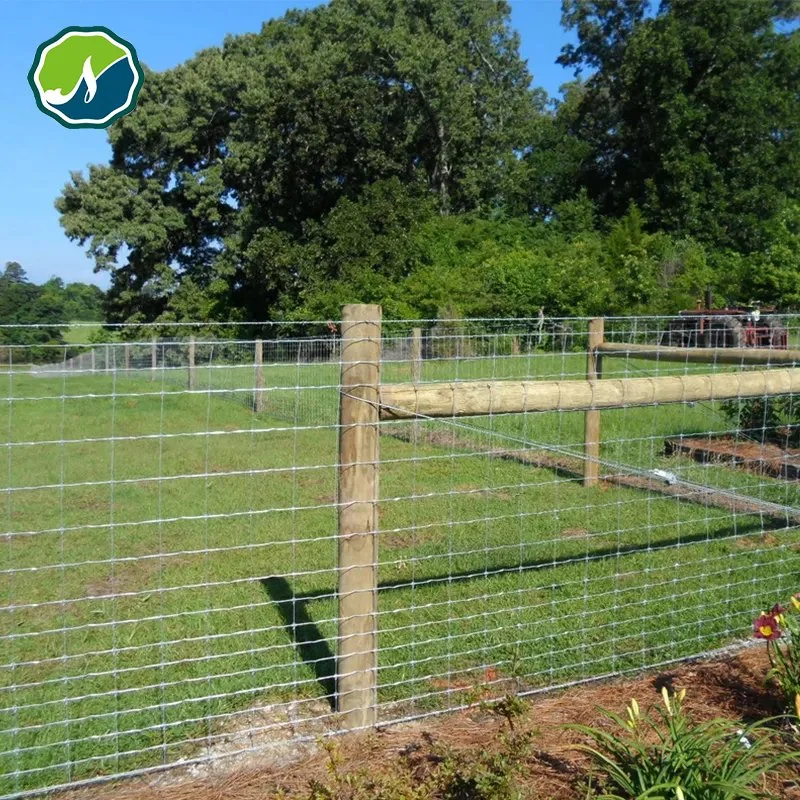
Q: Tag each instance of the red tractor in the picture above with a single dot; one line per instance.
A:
(726, 327)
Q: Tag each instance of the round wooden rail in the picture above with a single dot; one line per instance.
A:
(470, 398)
(701, 355)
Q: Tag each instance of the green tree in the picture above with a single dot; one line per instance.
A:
(233, 159)
(548, 171)
(31, 311)
(362, 251)
(53, 301)
(17, 295)
(83, 302)
(692, 114)
(772, 276)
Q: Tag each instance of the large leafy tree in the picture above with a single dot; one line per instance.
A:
(692, 113)
(233, 159)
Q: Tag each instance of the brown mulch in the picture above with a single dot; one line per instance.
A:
(763, 459)
(730, 687)
(572, 467)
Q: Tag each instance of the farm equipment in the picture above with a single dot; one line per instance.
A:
(726, 327)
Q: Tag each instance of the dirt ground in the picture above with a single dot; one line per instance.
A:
(730, 687)
(766, 459)
(763, 459)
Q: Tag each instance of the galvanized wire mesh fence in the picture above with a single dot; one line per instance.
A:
(168, 577)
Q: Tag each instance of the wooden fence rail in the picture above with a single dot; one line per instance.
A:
(473, 398)
(701, 355)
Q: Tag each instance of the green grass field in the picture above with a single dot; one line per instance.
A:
(80, 332)
(169, 558)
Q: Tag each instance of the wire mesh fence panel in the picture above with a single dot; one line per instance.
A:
(503, 570)
(168, 563)
(155, 537)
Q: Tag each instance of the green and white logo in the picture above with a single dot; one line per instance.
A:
(86, 77)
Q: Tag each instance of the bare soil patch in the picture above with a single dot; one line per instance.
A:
(763, 459)
(404, 539)
(575, 533)
(572, 467)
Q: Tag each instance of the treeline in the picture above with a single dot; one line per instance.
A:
(34, 314)
(400, 153)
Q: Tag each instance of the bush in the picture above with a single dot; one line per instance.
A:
(766, 419)
(443, 773)
(664, 754)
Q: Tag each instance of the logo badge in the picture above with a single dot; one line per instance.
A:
(86, 77)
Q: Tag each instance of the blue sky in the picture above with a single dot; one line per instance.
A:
(39, 154)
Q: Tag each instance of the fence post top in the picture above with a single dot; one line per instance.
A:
(361, 311)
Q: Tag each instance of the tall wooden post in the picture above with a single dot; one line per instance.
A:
(192, 377)
(358, 516)
(153, 358)
(258, 399)
(591, 424)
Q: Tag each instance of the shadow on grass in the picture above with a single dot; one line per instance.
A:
(597, 555)
(312, 647)
(601, 553)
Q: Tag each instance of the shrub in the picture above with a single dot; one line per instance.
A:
(775, 419)
(664, 754)
(443, 773)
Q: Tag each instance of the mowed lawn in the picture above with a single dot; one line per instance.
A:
(168, 558)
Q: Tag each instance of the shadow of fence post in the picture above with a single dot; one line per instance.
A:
(312, 647)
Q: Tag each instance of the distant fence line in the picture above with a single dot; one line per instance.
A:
(443, 339)
(232, 366)
(201, 362)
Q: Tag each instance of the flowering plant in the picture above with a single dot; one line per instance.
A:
(665, 755)
(780, 629)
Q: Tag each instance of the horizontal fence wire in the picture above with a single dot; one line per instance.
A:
(168, 577)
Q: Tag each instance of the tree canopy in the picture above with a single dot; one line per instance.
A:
(692, 114)
(399, 152)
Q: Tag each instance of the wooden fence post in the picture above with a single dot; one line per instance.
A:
(153, 358)
(192, 377)
(258, 399)
(591, 423)
(358, 516)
